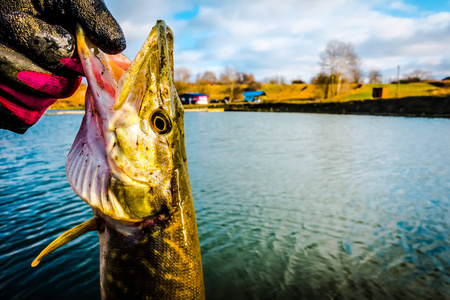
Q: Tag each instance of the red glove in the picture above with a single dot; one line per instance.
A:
(28, 108)
(38, 60)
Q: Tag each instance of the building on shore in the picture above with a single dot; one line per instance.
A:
(380, 92)
(254, 96)
(194, 98)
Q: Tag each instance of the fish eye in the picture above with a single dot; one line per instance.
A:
(160, 122)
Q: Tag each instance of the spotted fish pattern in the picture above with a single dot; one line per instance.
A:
(128, 162)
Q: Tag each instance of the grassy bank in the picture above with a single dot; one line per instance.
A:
(308, 92)
(295, 93)
(420, 106)
(400, 91)
(75, 102)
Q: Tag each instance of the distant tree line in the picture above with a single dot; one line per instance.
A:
(229, 77)
(340, 67)
(415, 76)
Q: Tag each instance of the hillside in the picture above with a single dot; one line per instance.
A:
(75, 102)
(293, 93)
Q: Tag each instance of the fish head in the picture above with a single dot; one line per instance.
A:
(128, 154)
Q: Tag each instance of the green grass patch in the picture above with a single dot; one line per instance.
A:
(294, 93)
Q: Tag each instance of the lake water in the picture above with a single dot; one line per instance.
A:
(289, 206)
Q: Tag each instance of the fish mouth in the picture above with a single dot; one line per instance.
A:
(122, 157)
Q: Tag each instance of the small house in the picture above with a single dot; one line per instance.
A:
(254, 96)
(194, 98)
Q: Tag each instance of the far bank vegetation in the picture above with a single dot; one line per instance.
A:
(341, 78)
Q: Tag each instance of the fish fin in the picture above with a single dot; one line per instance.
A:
(66, 237)
(87, 168)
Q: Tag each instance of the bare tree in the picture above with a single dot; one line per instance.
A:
(356, 74)
(337, 61)
(208, 77)
(322, 82)
(244, 78)
(418, 75)
(229, 77)
(277, 79)
(249, 80)
(182, 74)
(375, 76)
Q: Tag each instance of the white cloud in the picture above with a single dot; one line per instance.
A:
(285, 37)
(401, 6)
(135, 33)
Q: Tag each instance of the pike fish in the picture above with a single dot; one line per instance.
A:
(128, 162)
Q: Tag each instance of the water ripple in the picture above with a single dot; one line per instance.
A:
(289, 206)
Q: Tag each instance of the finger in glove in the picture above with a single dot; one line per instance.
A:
(22, 74)
(43, 43)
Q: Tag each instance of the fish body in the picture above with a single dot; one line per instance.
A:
(128, 162)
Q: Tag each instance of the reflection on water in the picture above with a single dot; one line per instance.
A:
(288, 206)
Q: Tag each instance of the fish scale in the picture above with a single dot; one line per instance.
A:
(128, 162)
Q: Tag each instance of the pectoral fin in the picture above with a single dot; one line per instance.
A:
(66, 237)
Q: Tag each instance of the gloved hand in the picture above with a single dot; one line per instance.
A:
(38, 58)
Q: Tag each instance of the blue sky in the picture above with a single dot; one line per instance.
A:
(187, 14)
(414, 8)
(285, 37)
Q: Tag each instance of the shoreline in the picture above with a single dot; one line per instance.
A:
(58, 112)
(420, 106)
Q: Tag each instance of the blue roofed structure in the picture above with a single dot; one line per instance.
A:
(254, 96)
